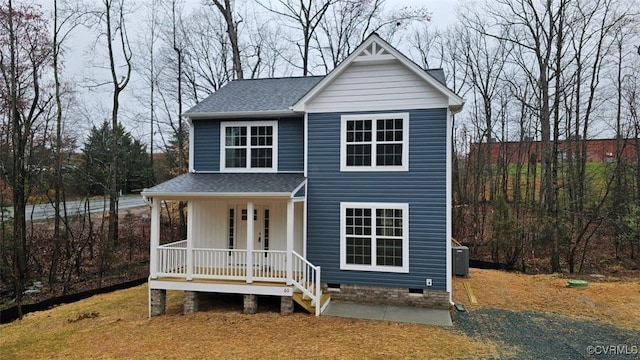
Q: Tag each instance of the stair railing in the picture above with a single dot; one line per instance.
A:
(306, 278)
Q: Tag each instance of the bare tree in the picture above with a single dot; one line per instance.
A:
(63, 25)
(232, 30)
(305, 16)
(25, 52)
(111, 21)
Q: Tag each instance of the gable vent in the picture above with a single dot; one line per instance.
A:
(374, 52)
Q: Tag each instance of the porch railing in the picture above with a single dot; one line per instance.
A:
(223, 264)
(270, 265)
(306, 278)
(172, 259)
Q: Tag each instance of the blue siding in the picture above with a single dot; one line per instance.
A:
(206, 144)
(423, 188)
(291, 145)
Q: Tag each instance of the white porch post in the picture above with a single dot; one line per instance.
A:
(190, 240)
(250, 240)
(290, 231)
(155, 238)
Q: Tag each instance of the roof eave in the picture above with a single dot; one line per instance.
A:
(240, 114)
(182, 195)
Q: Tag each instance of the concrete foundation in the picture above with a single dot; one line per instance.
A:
(438, 299)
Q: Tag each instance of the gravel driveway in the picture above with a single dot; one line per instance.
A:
(537, 335)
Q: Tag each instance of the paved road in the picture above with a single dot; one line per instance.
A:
(45, 211)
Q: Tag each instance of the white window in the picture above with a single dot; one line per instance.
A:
(374, 142)
(374, 237)
(249, 146)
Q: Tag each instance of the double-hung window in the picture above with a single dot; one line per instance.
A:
(374, 237)
(375, 142)
(249, 146)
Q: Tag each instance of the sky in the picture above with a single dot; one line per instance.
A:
(80, 64)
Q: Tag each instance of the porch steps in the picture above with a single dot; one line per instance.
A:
(306, 303)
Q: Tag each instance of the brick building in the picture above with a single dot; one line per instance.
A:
(598, 150)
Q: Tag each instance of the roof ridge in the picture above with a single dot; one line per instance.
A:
(281, 78)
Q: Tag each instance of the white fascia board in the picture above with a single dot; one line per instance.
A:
(191, 145)
(241, 114)
(209, 195)
(221, 287)
(293, 193)
(455, 101)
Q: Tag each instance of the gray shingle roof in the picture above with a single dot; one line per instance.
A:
(438, 74)
(275, 94)
(227, 184)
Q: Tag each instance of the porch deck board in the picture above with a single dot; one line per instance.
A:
(239, 271)
(222, 282)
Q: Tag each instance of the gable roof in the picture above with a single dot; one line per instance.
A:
(288, 95)
(254, 96)
(228, 184)
(375, 49)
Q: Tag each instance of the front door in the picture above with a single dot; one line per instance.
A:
(260, 236)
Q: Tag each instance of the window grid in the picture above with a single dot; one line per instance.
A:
(376, 142)
(358, 251)
(359, 136)
(383, 247)
(389, 237)
(249, 146)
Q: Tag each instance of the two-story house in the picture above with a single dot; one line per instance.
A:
(315, 187)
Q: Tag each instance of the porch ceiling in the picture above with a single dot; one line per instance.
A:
(228, 185)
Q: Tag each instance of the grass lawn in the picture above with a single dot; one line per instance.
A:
(116, 325)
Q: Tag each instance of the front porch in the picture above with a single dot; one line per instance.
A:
(240, 242)
(256, 272)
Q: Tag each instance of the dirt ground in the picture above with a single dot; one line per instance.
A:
(116, 325)
(609, 299)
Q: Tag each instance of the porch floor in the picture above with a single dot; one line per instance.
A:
(222, 282)
(222, 286)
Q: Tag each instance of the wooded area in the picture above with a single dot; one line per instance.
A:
(538, 73)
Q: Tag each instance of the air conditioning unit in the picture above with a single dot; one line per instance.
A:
(460, 257)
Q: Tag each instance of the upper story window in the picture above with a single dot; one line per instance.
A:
(375, 142)
(250, 146)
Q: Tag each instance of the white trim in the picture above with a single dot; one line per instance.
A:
(455, 101)
(304, 223)
(241, 114)
(374, 117)
(449, 204)
(190, 239)
(405, 237)
(155, 238)
(290, 236)
(185, 195)
(303, 183)
(306, 142)
(191, 146)
(250, 240)
(221, 288)
(248, 146)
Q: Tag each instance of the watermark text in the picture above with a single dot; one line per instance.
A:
(613, 349)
